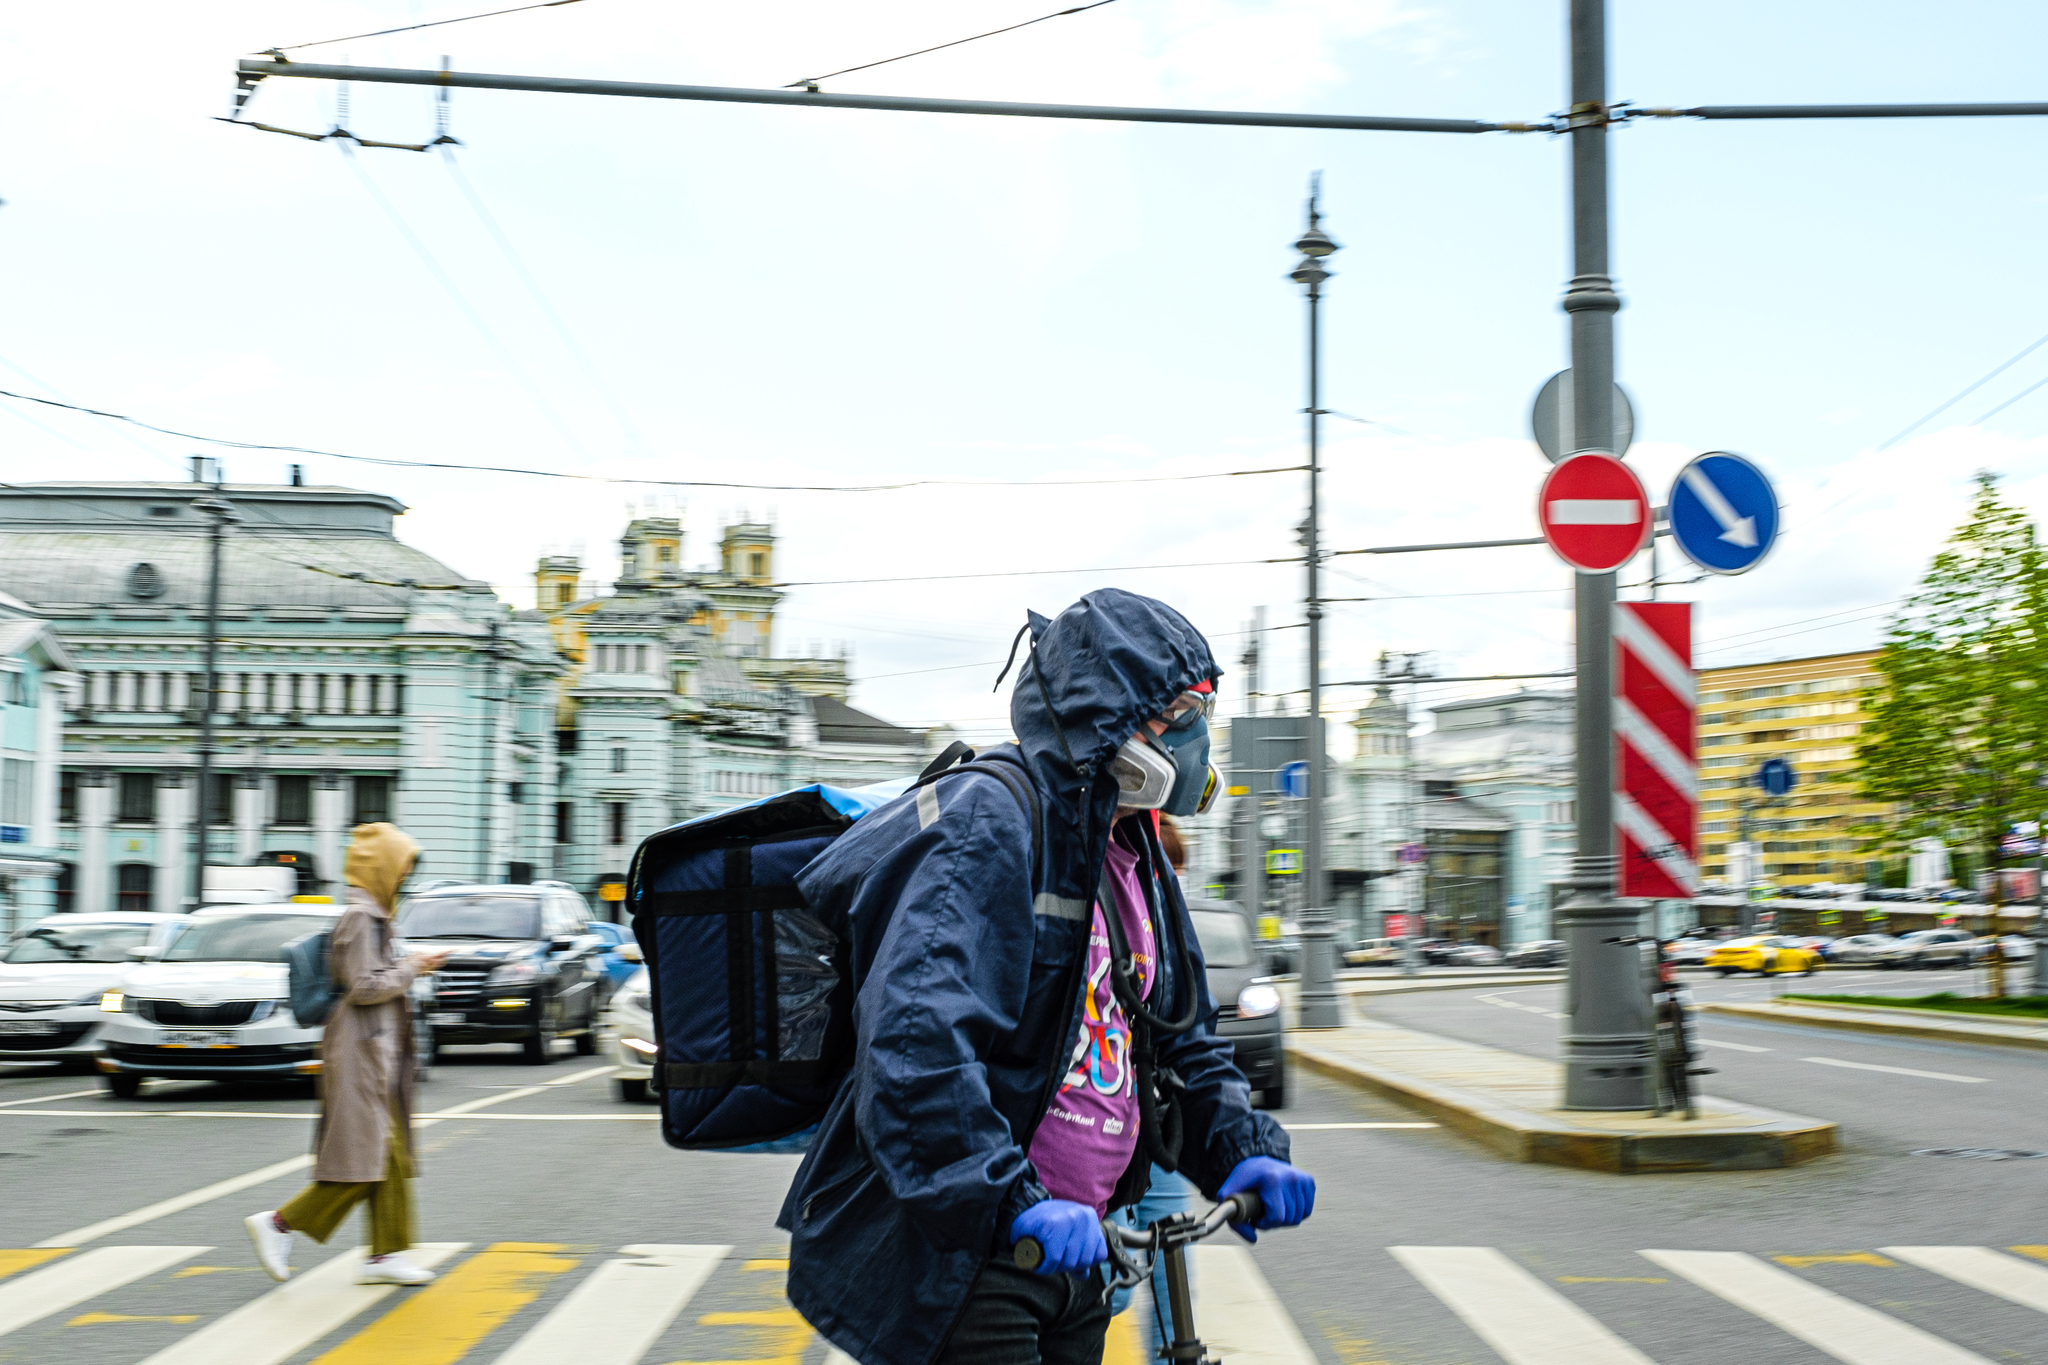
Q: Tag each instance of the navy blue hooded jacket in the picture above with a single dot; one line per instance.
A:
(966, 969)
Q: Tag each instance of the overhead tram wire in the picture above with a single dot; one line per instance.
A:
(811, 82)
(2023, 354)
(432, 23)
(461, 300)
(657, 483)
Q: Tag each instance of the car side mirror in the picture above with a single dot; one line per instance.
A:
(561, 943)
(630, 952)
(145, 954)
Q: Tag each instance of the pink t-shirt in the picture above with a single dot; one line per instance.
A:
(1090, 1130)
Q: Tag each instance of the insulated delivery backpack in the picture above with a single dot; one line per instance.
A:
(752, 995)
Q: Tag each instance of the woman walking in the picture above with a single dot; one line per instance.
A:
(363, 1148)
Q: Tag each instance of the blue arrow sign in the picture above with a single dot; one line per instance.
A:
(1723, 512)
(1775, 776)
(1292, 779)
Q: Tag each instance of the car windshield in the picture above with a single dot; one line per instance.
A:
(242, 938)
(1224, 940)
(79, 943)
(471, 917)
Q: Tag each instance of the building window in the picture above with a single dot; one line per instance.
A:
(220, 802)
(132, 881)
(565, 741)
(618, 758)
(67, 797)
(294, 800)
(565, 593)
(17, 780)
(565, 822)
(519, 874)
(372, 800)
(615, 814)
(757, 565)
(743, 784)
(137, 799)
(67, 886)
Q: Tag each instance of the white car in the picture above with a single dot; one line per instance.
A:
(214, 1005)
(55, 971)
(633, 1027)
(1689, 952)
(1861, 948)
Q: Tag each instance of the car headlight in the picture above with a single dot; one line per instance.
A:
(89, 998)
(1256, 1001)
(113, 1002)
(512, 973)
(641, 1046)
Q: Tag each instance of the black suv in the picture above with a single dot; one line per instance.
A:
(522, 965)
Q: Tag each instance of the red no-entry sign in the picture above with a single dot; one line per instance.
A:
(1594, 512)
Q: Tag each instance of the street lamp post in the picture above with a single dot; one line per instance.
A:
(1607, 1038)
(219, 513)
(1318, 965)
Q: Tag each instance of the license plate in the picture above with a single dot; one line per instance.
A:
(39, 1028)
(441, 1019)
(199, 1040)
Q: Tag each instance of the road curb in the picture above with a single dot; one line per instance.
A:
(1757, 1139)
(1884, 1019)
(1403, 986)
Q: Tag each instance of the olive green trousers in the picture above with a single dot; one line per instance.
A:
(322, 1206)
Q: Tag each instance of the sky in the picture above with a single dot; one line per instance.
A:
(787, 296)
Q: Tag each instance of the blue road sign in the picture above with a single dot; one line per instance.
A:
(1292, 779)
(1723, 513)
(1775, 776)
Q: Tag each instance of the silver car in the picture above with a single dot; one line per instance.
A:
(54, 973)
(633, 1032)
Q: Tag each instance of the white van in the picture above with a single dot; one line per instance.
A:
(54, 972)
(214, 1006)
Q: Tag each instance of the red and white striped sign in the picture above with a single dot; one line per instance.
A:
(1656, 786)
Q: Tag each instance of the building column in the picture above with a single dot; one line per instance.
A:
(94, 881)
(248, 817)
(329, 801)
(173, 881)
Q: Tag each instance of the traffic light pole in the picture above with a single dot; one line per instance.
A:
(1607, 1040)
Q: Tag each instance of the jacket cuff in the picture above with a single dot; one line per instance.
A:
(1022, 1195)
(1263, 1136)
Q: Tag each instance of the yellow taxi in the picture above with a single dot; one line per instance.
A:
(1766, 955)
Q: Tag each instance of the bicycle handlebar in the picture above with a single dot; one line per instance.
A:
(1243, 1207)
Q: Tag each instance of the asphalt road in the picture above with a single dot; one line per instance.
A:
(1532, 1265)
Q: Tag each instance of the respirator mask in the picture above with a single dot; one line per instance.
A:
(1170, 772)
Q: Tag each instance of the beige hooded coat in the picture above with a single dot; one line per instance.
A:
(366, 1053)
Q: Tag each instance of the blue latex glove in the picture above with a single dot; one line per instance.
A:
(1070, 1233)
(1288, 1192)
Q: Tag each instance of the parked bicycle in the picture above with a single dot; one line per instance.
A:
(1170, 1238)
(1671, 1018)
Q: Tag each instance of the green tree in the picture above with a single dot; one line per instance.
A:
(1957, 744)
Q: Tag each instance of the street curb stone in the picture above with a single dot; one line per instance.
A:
(1499, 1099)
(1897, 1021)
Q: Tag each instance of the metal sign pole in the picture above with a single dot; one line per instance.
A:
(1607, 1037)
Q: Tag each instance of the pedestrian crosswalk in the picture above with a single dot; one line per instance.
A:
(536, 1303)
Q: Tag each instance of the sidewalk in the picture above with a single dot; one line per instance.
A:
(1898, 1021)
(1507, 1101)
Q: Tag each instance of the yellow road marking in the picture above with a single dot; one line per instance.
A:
(1125, 1344)
(2039, 1253)
(765, 1265)
(1612, 1279)
(14, 1259)
(95, 1319)
(189, 1271)
(1835, 1258)
(442, 1323)
(784, 1332)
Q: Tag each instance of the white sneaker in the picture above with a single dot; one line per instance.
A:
(273, 1248)
(394, 1269)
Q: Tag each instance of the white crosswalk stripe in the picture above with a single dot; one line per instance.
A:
(625, 1307)
(294, 1315)
(1821, 1318)
(74, 1279)
(1239, 1315)
(1518, 1315)
(616, 1314)
(1982, 1268)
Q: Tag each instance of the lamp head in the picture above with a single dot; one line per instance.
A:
(1310, 272)
(1315, 242)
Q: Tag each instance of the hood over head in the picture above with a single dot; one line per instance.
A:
(1096, 672)
(380, 857)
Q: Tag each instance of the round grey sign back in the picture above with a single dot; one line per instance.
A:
(1550, 420)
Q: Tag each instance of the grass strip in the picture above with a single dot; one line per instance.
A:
(2011, 1007)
